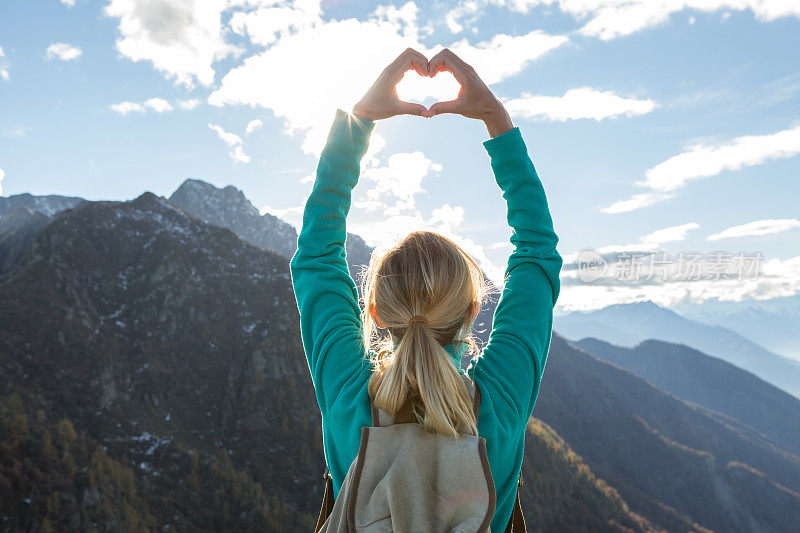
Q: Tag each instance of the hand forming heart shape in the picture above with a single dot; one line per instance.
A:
(474, 100)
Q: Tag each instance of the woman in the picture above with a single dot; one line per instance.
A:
(426, 292)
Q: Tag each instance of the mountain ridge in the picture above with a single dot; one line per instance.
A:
(629, 324)
(705, 380)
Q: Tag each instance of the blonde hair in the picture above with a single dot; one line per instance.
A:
(423, 274)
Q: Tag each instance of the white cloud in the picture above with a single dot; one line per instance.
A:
(609, 19)
(400, 179)
(123, 108)
(758, 227)
(302, 61)
(670, 234)
(293, 214)
(253, 125)
(448, 216)
(616, 18)
(159, 105)
(68, 3)
(4, 66)
(647, 243)
(191, 103)
(504, 55)
(2, 175)
(63, 51)
(238, 155)
(155, 104)
(234, 142)
(465, 12)
(637, 201)
(578, 103)
(182, 39)
(312, 55)
(444, 220)
(774, 278)
(703, 161)
(231, 139)
(266, 24)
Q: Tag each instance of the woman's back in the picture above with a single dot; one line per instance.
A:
(509, 370)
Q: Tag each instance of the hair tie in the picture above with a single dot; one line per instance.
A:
(417, 318)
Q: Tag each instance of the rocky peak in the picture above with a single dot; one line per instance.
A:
(47, 205)
(229, 208)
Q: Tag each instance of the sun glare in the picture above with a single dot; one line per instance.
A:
(416, 88)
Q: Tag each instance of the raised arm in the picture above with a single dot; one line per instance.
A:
(330, 323)
(511, 366)
(513, 361)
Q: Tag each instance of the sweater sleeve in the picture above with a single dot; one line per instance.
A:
(512, 363)
(330, 323)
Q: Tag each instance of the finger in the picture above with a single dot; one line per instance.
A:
(407, 108)
(408, 60)
(447, 60)
(448, 106)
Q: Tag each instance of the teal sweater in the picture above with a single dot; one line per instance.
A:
(509, 370)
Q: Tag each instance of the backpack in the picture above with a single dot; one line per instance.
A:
(407, 479)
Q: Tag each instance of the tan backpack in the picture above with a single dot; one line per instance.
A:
(407, 479)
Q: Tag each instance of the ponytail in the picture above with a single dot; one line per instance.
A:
(430, 275)
(420, 367)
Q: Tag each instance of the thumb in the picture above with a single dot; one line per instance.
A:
(448, 106)
(407, 108)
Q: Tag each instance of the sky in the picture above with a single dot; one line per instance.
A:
(666, 133)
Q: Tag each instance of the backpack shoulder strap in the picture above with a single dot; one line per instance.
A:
(516, 524)
(476, 400)
(327, 501)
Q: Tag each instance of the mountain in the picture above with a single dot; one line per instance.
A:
(629, 324)
(669, 460)
(156, 333)
(17, 227)
(229, 208)
(172, 345)
(560, 493)
(770, 323)
(21, 217)
(47, 205)
(713, 383)
(152, 376)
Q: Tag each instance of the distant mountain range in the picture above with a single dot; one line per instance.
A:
(669, 460)
(152, 376)
(47, 205)
(708, 381)
(630, 324)
(771, 323)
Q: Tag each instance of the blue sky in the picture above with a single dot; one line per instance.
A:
(656, 127)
